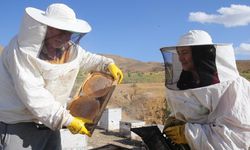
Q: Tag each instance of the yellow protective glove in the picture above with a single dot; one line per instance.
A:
(116, 72)
(77, 125)
(176, 134)
(172, 121)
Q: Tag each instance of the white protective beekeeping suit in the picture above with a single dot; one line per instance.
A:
(217, 115)
(35, 90)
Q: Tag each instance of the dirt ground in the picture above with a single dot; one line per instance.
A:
(102, 138)
(140, 101)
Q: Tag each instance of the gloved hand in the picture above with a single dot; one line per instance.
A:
(116, 72)
(77, 125)
(176, 134)
(172, 121)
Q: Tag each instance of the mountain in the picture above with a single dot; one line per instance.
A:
(243, 65)
(132, 65)
(1, 48)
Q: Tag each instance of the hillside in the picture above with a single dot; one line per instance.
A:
(243, 65)
(132, 65)
(145, 100)
(142, 94)
(149, 72)
(1, 48)
(142, 101)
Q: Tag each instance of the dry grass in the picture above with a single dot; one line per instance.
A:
(141, 101)
(1, 48)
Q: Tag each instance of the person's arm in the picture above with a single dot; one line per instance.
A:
(94, 62)
(204, 137)
(213, 136)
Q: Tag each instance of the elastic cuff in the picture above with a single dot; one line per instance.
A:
(68, 121)
(106, 67)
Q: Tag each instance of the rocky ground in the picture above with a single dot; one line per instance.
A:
(112, 141)
(145, 102)
(140, 101)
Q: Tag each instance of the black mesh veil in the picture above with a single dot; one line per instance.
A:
(203, 58)
(64, 40)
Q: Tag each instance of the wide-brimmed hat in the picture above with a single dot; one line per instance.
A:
(59, 16)
(194, 38)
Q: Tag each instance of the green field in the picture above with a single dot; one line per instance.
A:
(246, 74)
(157, 77)
(148, 77)
(141, 77)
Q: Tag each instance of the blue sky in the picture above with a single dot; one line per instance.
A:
(138, 28)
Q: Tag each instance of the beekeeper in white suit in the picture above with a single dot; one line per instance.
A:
(206, 93)
(38, 69)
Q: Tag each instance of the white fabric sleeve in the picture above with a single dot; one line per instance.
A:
(212, 137)
(68, 121)
(94, 62)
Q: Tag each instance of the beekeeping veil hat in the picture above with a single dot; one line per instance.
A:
(59, 16)
(195, 37)
(219, 56)
(212, 112)
(33, 29)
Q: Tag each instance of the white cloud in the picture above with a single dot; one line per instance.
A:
(235, 15)
(243, 48)
(243, 51)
